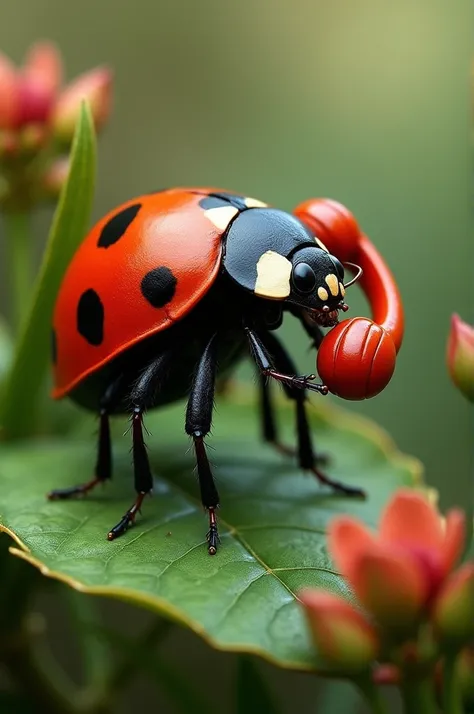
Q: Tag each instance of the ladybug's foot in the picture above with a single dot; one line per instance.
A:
(302, 382)
(60, 494)
(128, 519)
(338, 485)
(212, 537)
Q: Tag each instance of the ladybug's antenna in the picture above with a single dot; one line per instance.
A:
(357, 275)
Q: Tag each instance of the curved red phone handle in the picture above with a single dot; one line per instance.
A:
(338, 230)
(381, 290)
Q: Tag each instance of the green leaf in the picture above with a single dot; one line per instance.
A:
(253, 696)
(70, 223)
(272, 523)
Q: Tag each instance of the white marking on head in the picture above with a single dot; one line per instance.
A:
(332, 283)
(273, 276)
(222, 216)
(342, 289)
(320, 244)
(323, 294)
(254, 203)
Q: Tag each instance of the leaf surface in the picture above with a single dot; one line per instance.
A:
(272, 522)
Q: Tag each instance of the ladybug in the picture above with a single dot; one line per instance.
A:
(167, 293)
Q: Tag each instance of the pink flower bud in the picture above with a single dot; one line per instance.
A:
(9, 94)
(39, 83)
(96, 87)
(55, 177)
(346, 641)
(43, 65)
(460, 356)
(453, 612)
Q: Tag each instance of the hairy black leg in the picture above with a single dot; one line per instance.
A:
(141, 397)
(103, 466)
(269, 426)
(198, 425)
(142, 474)
(268, 422)
(265, 364)
(306, 456)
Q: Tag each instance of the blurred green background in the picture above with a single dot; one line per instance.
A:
(364, 101)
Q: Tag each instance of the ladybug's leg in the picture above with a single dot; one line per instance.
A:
(143, 477)
(142, 397)
(269, 426)
(306, 456)
(267, 368)
(198, 425)
(103, 466)
(284, 361)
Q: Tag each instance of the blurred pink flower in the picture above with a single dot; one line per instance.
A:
(96, 86)
(32, 95)
(398, 573)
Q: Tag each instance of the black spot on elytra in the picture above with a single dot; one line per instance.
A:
(54, 346)
(116, 227)
(219, 200)
(158, 286)
(90, 317)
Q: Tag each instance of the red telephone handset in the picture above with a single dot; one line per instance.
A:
(356, 359)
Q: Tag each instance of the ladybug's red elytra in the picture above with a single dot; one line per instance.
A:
(171, 290)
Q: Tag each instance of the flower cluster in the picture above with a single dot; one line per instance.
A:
(414, 606)
(37, 120)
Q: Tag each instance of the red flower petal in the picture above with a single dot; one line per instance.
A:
(410, 521)
(454, 538)
(347, 538)
(391, 587)
(342, 634)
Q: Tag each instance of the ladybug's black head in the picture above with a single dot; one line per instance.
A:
(317, 284)
(275, 256)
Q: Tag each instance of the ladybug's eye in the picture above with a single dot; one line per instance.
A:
(303, 277)
(339, 267)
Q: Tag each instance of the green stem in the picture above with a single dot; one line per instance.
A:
(418, 695)
(140, 655)
(27, 670)
(127, 666)
(94, 650)
(452, 702)
(18, 263)
(372, 694)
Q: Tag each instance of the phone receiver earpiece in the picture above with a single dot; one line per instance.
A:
(357, 357)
